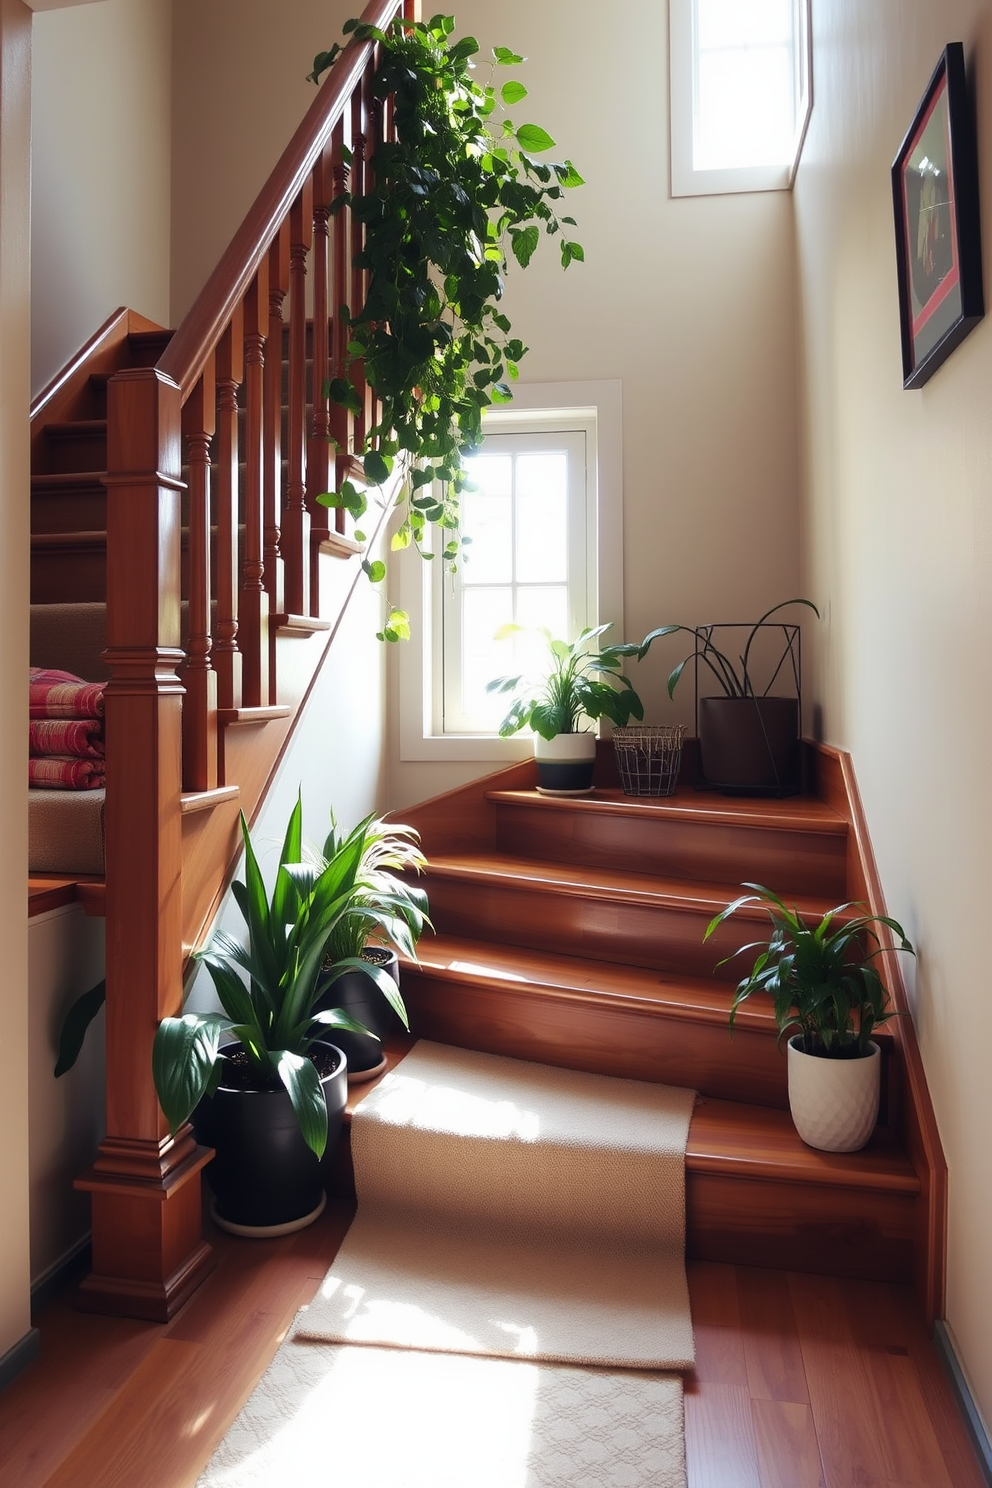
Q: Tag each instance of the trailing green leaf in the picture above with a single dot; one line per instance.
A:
(457, 195)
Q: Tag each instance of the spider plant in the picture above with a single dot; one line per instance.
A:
(734, 675)
(579, 683)
(384, 904)
(273, 1016)
(823, 979)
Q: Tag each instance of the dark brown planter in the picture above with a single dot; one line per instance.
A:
(358, 995)
(750, 745)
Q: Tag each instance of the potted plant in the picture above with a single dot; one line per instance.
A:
(386, 918)
(748, 737)
(262, 1087)
(828, 997)
(578, 684)
(454, 200)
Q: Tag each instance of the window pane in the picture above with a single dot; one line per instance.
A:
(542, 517)
(745, 103)
(486, 521)
(483, 612)
(544, 605)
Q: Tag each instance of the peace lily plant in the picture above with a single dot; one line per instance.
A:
(273, 1015)
(457, 194)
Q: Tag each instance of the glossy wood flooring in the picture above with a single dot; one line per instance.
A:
(801, 1381)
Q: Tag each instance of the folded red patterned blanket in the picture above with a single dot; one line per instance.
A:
(61, 695)
(63, 772)
(80, 737)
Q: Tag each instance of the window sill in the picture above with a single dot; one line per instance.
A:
(481, 747)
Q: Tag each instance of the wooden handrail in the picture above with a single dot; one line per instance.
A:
(186, 355)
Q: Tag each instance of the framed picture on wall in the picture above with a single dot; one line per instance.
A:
(938, 233)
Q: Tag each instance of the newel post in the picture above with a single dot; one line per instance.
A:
(148, 1250)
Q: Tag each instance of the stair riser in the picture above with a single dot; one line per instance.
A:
(800, 1227)
(69, 576)
(83, 451)
(580, 1035)
(81, 510)
(601, 927)
(796, 862)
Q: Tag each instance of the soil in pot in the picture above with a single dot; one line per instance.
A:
(263, 1174)
(750, 746)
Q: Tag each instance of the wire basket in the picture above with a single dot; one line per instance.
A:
(648, 758)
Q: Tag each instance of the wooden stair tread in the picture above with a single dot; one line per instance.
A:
(757, 1142)
(51, 891)
(62, 480)
(540, 876)
(796, 813)
(750, 1142)
(640, 989)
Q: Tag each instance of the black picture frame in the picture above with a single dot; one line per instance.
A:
(938, 229)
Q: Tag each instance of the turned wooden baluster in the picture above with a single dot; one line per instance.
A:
(296, 519)
(226, 655)
(199, 677)
(342, 419)
(319, 455)
(253, 604)
(272, 481)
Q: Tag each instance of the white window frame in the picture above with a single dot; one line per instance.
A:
(595, 406)
(685, 179)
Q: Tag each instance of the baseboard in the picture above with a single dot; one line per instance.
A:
(20, 1356)
(59, 1276)
(944, 1344)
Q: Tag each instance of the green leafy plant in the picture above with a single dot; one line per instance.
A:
(579, 683)
(385, 904)
(273, 1017)
(457, 194)
(734, 675)
(823, 979)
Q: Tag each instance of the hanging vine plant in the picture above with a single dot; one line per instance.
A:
(458, 193)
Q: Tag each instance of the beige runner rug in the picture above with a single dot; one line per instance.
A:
(517, 1259)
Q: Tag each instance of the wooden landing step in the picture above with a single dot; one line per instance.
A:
(52, 891)
(757, 1195)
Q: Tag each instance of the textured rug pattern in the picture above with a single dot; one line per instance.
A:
(517, 1264)
(569, 1192)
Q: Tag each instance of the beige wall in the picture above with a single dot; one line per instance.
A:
(239, 91)
(65, 958)
(100, 215)
(15, 118)
(898, 547)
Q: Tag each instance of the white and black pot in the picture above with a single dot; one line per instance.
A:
(264, 1177)
(834, 1102)
(565, 764)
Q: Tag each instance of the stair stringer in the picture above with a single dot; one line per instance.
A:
(837, 784)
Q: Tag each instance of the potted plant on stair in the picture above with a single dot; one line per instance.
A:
(578, 686)
(259, 1082)
(828, 997)
(385, 919)
(748, 737)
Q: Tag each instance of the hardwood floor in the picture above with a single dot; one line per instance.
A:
(801, 1381)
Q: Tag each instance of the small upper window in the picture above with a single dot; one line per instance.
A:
(740, 94)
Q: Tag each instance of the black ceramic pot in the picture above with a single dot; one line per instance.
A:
(750, 745)
(264, 1174)
(357, 994)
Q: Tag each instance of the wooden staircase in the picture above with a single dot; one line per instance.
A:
(570, 931)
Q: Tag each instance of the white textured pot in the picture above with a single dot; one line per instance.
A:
(834, 1102)
(565, 763)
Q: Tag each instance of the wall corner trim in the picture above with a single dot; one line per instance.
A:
(23, 1353)
(943, 1341)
